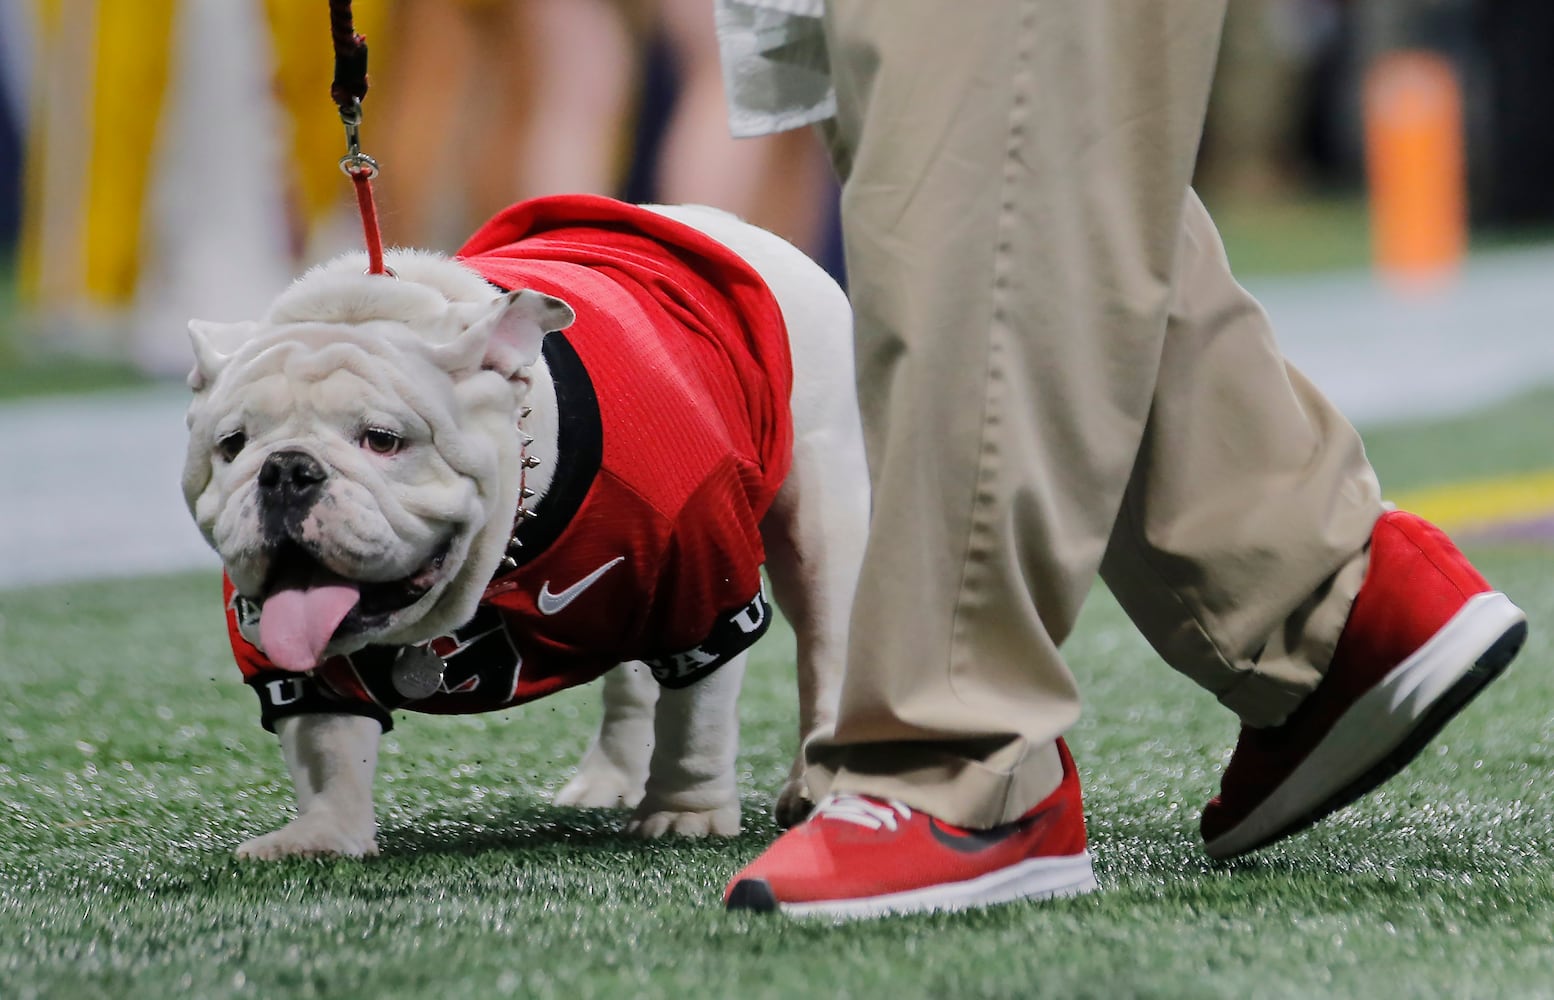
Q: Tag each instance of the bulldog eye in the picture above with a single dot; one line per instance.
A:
(229, 446)
(381, 442)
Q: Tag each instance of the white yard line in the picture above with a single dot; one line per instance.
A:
(1384, 356)
(89, 487)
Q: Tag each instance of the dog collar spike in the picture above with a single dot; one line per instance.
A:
(526, 462)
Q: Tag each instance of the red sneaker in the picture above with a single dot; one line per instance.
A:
(859, 856)
(1425, 635)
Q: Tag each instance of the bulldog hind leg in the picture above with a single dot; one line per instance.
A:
(815, 530)
(690, 786)
(614, 769)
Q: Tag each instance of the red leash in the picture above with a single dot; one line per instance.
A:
(347, 90)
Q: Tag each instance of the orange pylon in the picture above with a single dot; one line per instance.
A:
(1415, 166)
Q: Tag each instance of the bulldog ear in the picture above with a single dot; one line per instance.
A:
(507, 332)
(214, 344)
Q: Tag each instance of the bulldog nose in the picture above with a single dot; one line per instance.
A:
(294, 475)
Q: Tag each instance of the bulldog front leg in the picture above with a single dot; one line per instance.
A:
(332, 759)
(613, 772)
(690, 785)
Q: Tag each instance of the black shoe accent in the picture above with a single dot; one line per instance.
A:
(976, 841)
(753, 894)
(1487, 668)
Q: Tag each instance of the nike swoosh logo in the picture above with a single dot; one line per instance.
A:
(976, 841)
(552, 602)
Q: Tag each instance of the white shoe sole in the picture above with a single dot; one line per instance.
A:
(1035, 878)
(1387, 726)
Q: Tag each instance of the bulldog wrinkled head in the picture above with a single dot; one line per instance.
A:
(353, 458)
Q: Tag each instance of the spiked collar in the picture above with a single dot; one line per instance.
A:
(579, 453)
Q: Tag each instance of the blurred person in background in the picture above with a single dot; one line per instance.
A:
(470, 123)
(179, 159)
(182, 160)
(493, 101)
(128, 225)
(1518, 61)
(1258, 102)
(14, 69)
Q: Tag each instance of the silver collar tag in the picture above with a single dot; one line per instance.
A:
(417, 672)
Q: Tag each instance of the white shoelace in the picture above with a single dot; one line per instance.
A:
(857, 809)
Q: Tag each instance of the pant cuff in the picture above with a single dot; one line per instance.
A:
(977, 793)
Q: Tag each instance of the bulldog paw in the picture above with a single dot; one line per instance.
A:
(793, 804)
(649, 824)
(600, 787)
(312, 836)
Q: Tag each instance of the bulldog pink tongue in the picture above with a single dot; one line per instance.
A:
(295, 624)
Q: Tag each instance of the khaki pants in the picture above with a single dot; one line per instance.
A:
(1059, 377)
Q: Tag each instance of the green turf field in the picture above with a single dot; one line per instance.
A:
(131, 762)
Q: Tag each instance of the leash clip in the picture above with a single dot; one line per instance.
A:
(355, 163)
(347, 91)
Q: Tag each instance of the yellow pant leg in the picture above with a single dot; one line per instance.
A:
(304, 66)
(90, 148)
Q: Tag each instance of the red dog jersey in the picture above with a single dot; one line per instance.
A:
(673, 390)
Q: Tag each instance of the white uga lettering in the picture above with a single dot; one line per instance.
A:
(752, 616)
(284, 692)
(684, 663)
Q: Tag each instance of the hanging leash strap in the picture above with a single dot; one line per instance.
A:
(347, 90)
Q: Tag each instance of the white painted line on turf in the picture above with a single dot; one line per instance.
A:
(91, 488)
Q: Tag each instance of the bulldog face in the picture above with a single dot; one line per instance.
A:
(354, 457)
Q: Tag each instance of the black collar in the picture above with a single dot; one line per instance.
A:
(579, 453)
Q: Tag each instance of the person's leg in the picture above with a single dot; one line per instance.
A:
(1014, 179)
(1254, 552)
(1254, 114)
(433, 48)
(581, 62)
(1241, 541)
(1006, 418)
(1011, 211)
(778, 182)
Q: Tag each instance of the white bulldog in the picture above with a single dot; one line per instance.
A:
(367, 460)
